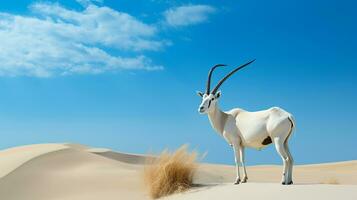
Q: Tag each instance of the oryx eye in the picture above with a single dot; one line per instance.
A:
(212, 99)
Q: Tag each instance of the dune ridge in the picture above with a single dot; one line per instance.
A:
(12, 158)
(79, 172)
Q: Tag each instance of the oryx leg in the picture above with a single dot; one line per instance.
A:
(291, 163)
(280, 148)
(236, 149)
(242, 163)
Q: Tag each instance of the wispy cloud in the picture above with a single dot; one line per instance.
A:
(55, 40)
(63, 41)
(86, 3)
(188, 15)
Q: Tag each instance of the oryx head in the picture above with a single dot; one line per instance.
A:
(209, 98)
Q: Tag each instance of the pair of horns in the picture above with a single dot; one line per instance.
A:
(215, 89)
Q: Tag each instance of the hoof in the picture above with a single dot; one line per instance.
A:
(289, 183)
(237, 182)
(244, 180)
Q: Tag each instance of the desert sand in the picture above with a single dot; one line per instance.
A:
(77, 172)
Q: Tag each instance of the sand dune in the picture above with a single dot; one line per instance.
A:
(270, 191)
(64, 172)
(78, 172)
(122, 157)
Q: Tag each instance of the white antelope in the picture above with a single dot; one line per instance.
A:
(242, 129)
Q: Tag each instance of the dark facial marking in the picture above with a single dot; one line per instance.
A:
(267, 141)
(209, 103)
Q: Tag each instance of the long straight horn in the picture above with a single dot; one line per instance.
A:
(228, 75)
(208, 86)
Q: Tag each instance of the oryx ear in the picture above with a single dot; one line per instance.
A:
(218, 94)
(199, 93)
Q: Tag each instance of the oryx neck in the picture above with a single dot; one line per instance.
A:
(217, 118)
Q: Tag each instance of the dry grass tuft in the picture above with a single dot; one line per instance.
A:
(331, 180)
(170, 172)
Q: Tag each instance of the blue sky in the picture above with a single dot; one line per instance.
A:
(123, 74)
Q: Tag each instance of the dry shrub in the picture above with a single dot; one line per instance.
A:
(170, 172)
(331, 180)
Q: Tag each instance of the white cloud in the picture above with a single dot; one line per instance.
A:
(60, 41)
(86, 3)
(54, 40)
(188, 15)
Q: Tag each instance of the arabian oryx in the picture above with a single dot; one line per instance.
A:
(242, 129)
